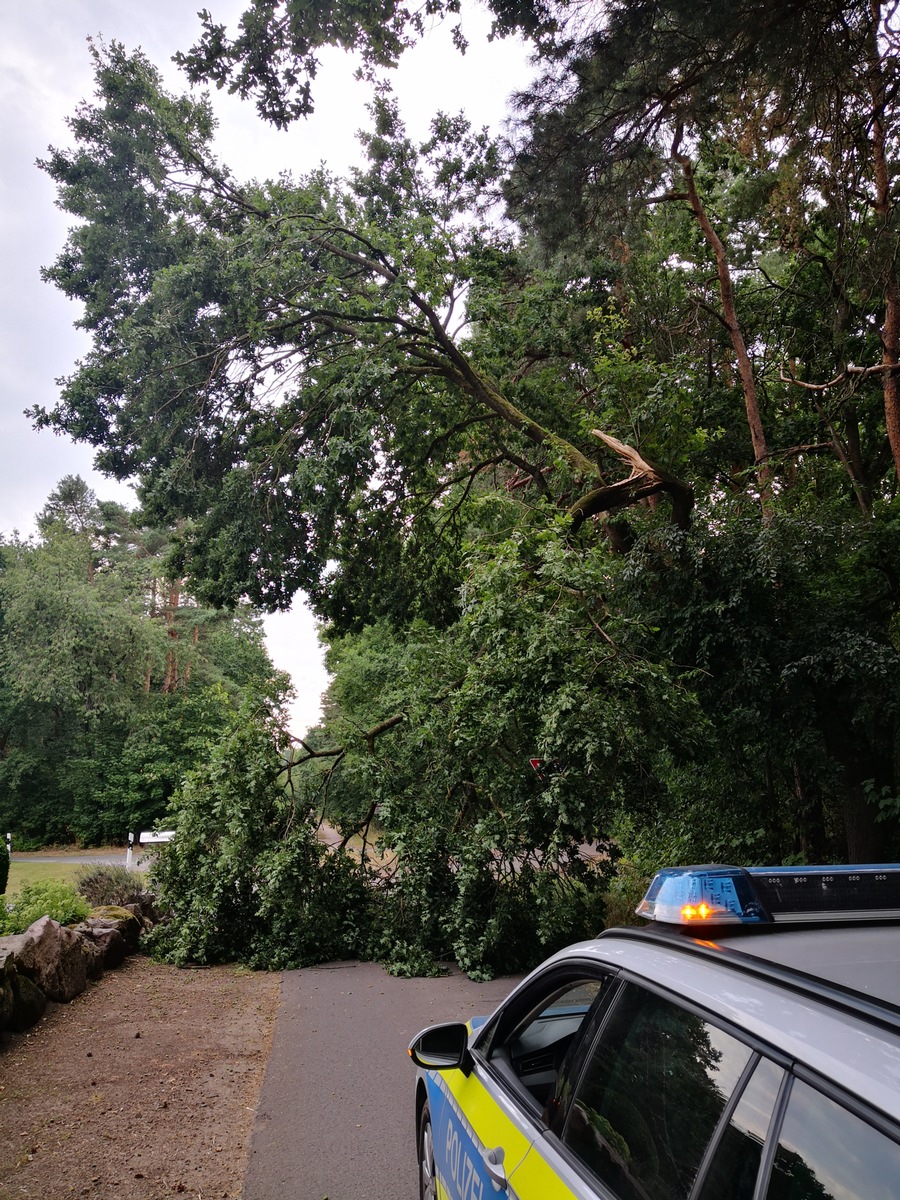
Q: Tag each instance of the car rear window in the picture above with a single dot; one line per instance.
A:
(826, 1152)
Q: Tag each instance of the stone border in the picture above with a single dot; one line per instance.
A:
(50, 961)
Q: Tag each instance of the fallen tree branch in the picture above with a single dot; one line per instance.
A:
(334, 752)
(363, 824)
(382, 727)
(645, 480)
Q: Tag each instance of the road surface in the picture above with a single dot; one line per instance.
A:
(114, 858)
(335, 1119)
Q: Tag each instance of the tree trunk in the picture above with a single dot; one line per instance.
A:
(862, 833)
(195, 638)
(890, 330)
(810, 819)
(170, 682)
(739, 345)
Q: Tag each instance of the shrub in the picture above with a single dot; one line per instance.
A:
(49, 898)
(246, 877)
(625, 893)
(106, 884)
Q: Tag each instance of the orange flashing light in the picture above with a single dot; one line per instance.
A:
(697, 912)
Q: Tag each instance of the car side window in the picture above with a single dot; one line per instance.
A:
(826, 1152)
(531, 1048)
(735, 1164)
(651, 1096)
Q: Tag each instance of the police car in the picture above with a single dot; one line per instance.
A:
(744, 1046)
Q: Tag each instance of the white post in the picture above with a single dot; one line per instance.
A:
(130, 848)
(9, 844)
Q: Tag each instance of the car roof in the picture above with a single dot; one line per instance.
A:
(849, 1036)
(861, 958)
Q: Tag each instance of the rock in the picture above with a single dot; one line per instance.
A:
(113, 916)
(16, 944)
(51, 956)
(50, 961)
(104, 939)
(29, 1004)
(93, 954)
(22, 1003)
(146, 902)
(7, 971)
(138, 911)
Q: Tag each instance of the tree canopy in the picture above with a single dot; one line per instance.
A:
(112, 678)
(583, 444)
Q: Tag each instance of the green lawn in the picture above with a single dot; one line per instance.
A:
(25, 870)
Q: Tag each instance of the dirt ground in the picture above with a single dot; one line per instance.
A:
(144, 1087)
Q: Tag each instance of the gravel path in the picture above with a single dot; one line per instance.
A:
(144, 1087)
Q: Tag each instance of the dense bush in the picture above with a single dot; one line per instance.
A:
(625, 893)
(48, 898)
(104, 883)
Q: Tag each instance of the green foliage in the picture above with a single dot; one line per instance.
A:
(112, 680)
(273, 57)
(626, 890)
(245, 876)
(478, 857)
(49, 898)
(108, 884)
(530, 913)
(337, 488)
(616, 521)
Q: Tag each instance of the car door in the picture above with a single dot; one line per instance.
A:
(485, 1120)
(642, 1105)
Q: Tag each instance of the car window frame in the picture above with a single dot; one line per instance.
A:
(721, 1129)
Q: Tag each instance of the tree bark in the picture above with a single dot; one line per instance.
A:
(170, 681)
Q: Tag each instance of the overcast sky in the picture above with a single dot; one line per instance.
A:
(45, 69)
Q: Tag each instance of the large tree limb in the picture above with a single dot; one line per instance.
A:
(645, 480)
(460, 367)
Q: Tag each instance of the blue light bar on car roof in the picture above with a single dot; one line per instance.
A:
(761, 895)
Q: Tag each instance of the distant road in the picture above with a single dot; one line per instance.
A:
(108, 858)
(335, 1119)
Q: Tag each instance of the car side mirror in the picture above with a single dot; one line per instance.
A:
(442, 1048)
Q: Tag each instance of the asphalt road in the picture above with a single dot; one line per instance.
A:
(83, 860)
(335, 1116)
